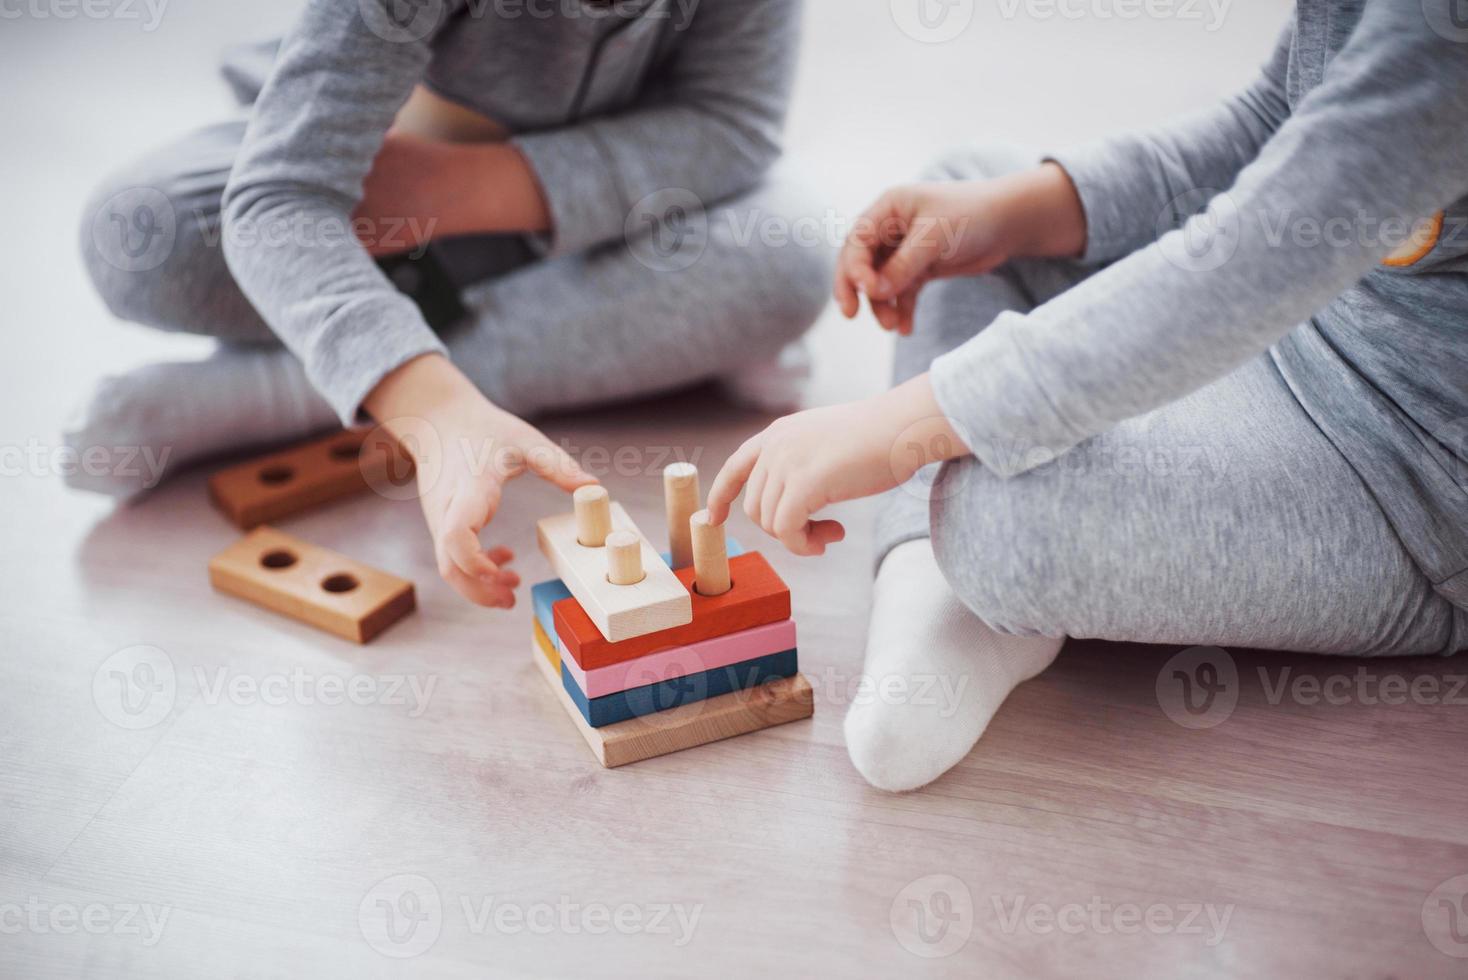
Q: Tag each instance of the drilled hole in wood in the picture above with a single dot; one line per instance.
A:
(341, 582)
(279, 558)
(274, 476)
(701, 592)
(345, 452)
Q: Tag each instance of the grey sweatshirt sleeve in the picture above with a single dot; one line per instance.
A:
(316, 127)
(711, 125)
(1379, 140)
(1137, 186)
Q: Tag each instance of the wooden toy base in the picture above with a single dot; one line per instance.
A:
(735, 713)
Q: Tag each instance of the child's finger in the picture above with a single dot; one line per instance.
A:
(753, 491)
(552, 463)
(906, 304)
(845, 293)
(903, 267)
(730, 480)
(469, 509)
(792, 524)
(823, 533)
(769, 502)
(885, 312)
(496, 595)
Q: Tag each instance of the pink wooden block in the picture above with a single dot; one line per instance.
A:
(721, 651)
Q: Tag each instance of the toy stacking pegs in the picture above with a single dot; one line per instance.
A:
(710, 555)
(680, 496)
(624, 558)
(593, 515)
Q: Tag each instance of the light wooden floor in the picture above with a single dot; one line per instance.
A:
(271, 834)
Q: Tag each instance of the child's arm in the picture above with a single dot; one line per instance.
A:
(1379, 141)
(1137, 186)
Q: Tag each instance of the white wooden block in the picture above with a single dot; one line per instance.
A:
(658, 602)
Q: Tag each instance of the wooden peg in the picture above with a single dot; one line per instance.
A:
(710, 556)
(680, 494)
(624, 558)
(593, 515)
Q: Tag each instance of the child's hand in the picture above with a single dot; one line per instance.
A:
(806, 461)
(465, 450)
(920, 232)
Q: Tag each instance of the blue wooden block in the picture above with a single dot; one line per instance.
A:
(651, 698)
(545, 594)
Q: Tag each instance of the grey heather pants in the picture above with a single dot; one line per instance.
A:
(1225, 518)
(554, 334)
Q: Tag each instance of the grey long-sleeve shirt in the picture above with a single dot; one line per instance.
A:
(1354, 131)
(608, 103)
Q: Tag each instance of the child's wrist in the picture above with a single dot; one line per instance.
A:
(926, 434)
(1046, 215)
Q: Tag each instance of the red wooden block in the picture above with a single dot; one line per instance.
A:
(759, 596)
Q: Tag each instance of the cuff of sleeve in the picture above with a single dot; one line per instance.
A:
(359, 346)
(578, 180)
(1117, 223)
(987, 391)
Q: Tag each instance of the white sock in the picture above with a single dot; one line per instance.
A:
(140, 426)
(935, 674)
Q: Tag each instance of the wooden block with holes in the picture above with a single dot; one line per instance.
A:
(318, 587)
(736, 713)
(620, 612)
(287, 482)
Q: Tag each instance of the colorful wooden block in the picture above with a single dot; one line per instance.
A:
(311, 584)
(544, 595)
(736, 713)
(686, 689)
(552, 655)
(619, 612)
(695, 658)
(758, 596)
(316, 472)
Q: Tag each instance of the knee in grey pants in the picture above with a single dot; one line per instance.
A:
(150, 240)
